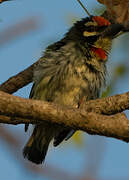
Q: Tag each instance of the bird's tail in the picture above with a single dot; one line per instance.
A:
(37, 146)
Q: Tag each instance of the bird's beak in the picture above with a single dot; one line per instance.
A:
(113, 31)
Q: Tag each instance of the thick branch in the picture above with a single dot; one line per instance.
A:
(33, 111)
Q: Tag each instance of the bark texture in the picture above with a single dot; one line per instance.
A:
(91, 119)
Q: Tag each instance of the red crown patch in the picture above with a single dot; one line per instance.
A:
(101, 21)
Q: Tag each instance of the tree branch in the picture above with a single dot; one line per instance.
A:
(19, 110)
(117, 10)
(109, 105)
(18, 81)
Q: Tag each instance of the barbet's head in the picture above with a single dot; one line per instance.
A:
(88, 35)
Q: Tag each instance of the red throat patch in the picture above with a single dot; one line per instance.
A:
(101, 21)
(99, 52)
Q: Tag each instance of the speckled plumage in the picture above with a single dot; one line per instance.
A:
(68, 74)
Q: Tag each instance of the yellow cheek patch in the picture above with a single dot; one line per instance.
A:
(86, 33)
(91, 23)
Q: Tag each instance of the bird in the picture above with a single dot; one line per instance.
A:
(69, 73)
